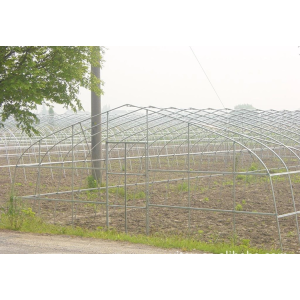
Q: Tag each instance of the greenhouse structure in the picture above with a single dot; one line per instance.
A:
(210, 174)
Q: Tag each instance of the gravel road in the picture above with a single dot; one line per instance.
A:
(12, 242)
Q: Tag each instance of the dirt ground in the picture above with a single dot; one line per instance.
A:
(12, 242)
(251, 194)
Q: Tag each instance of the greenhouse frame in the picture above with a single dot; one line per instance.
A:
(210, 174)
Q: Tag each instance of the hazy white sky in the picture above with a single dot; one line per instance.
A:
(249, 49)
(266, 77)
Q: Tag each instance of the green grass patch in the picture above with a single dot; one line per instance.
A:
(91, 182)
(183, 187)
(253, 167)
(33, 224)
(120, 191)
(239, 207)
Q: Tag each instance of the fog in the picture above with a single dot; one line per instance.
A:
(264, 76)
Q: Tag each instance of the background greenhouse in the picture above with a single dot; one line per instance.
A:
(213, 175)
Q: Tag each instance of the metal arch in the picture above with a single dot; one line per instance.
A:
(264, 166)
(277, 142)
(252, 138)
(171, 122)
(267, 129)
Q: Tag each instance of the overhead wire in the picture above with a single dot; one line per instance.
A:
(207, 77)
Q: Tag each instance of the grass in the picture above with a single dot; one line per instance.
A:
(239, 207)
(28, 222)
(182, 187)
(92, 182)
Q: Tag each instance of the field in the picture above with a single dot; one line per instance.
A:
(169, 198)
(190, 180)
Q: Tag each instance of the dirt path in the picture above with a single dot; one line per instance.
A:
(27, 243)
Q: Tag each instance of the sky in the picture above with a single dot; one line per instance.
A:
(248, 50)
(268, 77)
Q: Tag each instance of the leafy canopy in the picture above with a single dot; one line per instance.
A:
(31, 76)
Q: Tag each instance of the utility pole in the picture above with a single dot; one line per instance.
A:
(96, 146)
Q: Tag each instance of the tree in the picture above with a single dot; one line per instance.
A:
(51, 111)
(244, 106)
(51, 115)
(44, 109)
(31, 76)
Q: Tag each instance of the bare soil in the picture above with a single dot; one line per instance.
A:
(251, 194)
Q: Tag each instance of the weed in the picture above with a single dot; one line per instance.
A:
(182, 187)
(245, 242)
(228, 182)
(244, 202)
(253, 167)
(203, 189)
(91, 195)
(206, 199)
(295, 179)
(16, 213)
(92, 182)
(246, 178)
(239, 207)
(139, 195)
(272, 171)
(240, 177)
(250, 178)
(120, 191)
(291, 233)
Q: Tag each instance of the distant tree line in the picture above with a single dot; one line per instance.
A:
(244, 106)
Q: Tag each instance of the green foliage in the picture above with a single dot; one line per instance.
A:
(246, 178)
(92, 182)
(36, 225)
(139, 195)
(51, 111)
(245, 243)
(291, 233)
(34, 75)
(203, 189)
(253, 167)
(91, 196)
(16, 213)
(17, 216)
(239, 207)
(240, 177)
(295, 179)
(182, 187)
(120, 191)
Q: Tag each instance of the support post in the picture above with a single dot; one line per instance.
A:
(96, 147)
(234, 199)
(189, 177)
(147, 173)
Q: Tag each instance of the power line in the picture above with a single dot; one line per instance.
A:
(207, 77)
